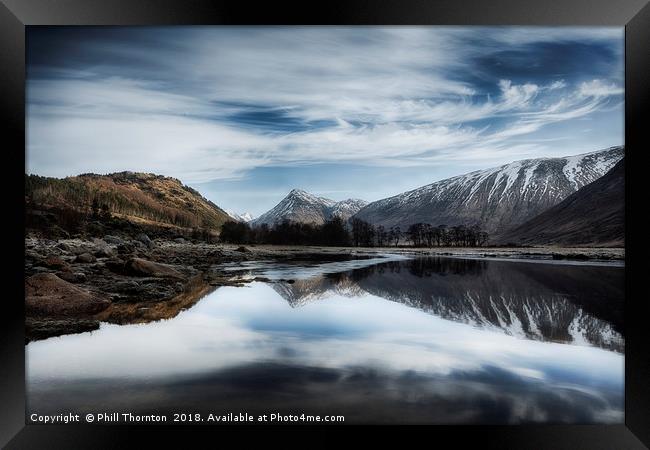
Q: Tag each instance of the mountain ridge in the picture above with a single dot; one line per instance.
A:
(304, 207)
(496, 198)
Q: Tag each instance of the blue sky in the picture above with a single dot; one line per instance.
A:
(245, 114)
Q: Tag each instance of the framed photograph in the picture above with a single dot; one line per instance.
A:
(359, 213)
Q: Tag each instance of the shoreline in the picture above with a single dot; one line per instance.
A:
(74, 284)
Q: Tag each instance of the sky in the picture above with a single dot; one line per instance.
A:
(245, 114)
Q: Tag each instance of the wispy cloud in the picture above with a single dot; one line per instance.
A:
(206, 103)
(599, 88)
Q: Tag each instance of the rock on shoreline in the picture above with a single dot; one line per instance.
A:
(48, 295)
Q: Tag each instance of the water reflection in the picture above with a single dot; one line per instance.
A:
(571, 304)
(331, 343)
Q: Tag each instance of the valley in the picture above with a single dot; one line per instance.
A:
(135, 248)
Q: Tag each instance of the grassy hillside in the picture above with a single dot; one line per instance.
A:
(138, 197)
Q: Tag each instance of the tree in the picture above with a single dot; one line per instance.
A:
(428, 234)
(95, 208)
(106, 212)
(438, 234)
(414, 233)
(397, 233)
(446, 235)
(363, 233)
(235, 232)
(357, 230)
(333, 232)
(382, 236)
(369, 233)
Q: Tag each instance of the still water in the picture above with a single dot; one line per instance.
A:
(423, 340)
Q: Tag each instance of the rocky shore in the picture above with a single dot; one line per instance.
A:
(71, 285)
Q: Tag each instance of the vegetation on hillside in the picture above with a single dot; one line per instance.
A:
(144, 197)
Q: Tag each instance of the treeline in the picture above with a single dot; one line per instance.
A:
(63, 222)
(358, 233)
(331, 233)
(427, 235)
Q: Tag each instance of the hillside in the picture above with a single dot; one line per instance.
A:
(594, 215)
(497, 199)
(138, 197)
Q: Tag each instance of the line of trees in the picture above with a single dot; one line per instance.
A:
(427, 235)
(331, 233)
(358, 233)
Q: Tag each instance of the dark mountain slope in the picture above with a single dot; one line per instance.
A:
(593, 216)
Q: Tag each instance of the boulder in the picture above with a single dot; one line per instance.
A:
(81, 249)
(126, 286)
(125, 248)
(113, 240)
(72, 277)
(116, 265)
(54, 262)
(64, 246)
(32, 254)
(105, 252)
(137, 245)
(48, 295)
(85, 258)
(144, 239)
(142, 267)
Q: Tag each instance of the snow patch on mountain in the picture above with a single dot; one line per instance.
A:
(497, 198)
(245, 217)
(304, 207)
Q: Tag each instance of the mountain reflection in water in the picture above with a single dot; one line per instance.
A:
(427, 340)
(559, 303)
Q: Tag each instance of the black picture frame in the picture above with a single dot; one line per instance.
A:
(15, 15)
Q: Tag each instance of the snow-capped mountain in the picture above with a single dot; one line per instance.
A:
(498, 198)
(347, 208)
(301, 206)
(245, 217)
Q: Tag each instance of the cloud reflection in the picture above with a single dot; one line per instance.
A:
(242, 343)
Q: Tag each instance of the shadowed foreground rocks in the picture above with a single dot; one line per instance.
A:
(73, 284)
(48, 295)
(54, 306)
